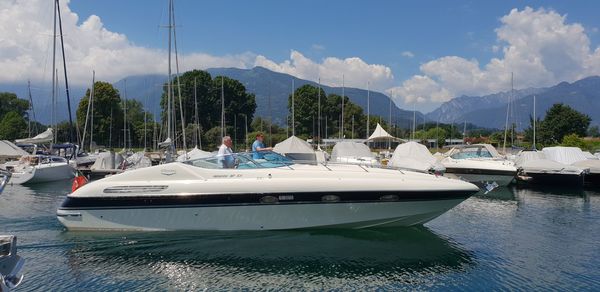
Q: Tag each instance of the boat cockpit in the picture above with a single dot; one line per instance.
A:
(242, 160)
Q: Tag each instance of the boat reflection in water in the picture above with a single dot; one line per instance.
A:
(258, 260)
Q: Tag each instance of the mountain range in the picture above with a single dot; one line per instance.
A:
(488, 111)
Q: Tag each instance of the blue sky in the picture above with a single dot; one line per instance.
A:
(423, 52)
(376, 31)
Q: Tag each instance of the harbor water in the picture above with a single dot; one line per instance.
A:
(511, 238)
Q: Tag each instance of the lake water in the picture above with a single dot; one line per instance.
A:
(512, 238)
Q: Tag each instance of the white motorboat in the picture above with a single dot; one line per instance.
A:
(353, 153)
(575, 157)
(534, 167)
(11, 264)
(416, 157)
(479, 164)
(39, 169)
(270, 194)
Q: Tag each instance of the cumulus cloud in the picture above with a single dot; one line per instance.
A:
(354, 70)
(26, 39)
(539, 46)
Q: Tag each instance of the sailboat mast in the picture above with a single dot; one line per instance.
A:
(169, 90)
(534, 118)
(293, 110)
(93, 93)
(125, 115)
(31, 111)
(198, 137)
(368, 109)
(87, 114)
(223, 132)
(53, 75)
(507, 112)
(65, 71)
(178, 81)
(342, 118)
(319, 113)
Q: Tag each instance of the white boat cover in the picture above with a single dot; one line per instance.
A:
(536, 162)
(589, 155)
(566, 155)
(350, 149)
(415, 156)
(166, 143)
(381, 135)
(194, 154)
(10, 150)
(296, 149)
(137, 160)
(44, 137)
(107, 161)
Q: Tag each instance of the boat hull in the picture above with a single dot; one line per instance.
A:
(42, 174)
(573, 180)
(258, 217)
(481, 176)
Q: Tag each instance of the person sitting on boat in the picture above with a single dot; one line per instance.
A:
(225, 155)
(258, 146)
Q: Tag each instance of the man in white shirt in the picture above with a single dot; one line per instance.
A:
(225, 155)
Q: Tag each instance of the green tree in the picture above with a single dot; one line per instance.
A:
(107, 111)
(9, 102)
(13, 126)
(593, 131)
(238, 102)
(560, 121)
(572, 140)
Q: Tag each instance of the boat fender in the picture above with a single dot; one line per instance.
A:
(78, 182)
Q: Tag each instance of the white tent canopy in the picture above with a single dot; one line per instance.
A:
(381, 135)
(415, 156)
(44, 137)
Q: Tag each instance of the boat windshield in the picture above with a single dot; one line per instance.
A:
(242, 160)
(472, 152)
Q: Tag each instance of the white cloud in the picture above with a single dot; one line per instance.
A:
(539, 46)
(25, 52)
(408, 54)
(318, 47)
(356, 72)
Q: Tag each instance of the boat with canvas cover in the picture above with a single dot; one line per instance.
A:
(534, 167)
(270, 194)
(416, 157)
(575, 157)
(479, 164)
(353, 153)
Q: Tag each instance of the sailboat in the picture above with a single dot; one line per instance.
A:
(40, 168)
